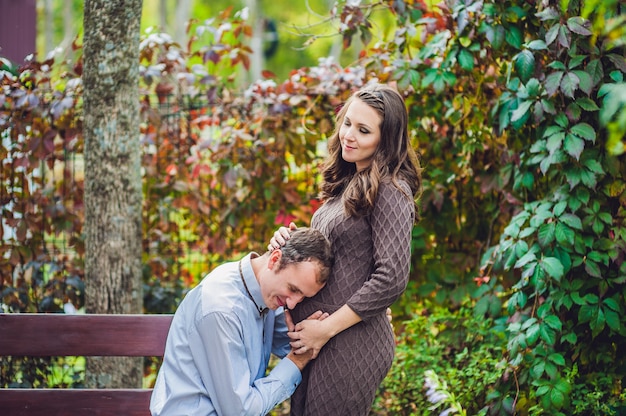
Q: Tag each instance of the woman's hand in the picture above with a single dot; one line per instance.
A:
(281, 236)
(310, 335)
(317, 315)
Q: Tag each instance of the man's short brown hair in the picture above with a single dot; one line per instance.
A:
(308, 244)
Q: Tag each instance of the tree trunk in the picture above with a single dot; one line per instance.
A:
(163, 13)
(182, 16)
(112, 175)
(69, 29)
(48, 18)
(256, 42)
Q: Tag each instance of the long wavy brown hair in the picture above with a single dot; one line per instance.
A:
(394, 159)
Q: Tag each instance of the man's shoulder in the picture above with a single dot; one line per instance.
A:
(220, 290)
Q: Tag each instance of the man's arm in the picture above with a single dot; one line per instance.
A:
(221, 359)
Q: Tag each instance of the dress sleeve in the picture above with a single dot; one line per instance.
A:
(219, 353)
(392, 222)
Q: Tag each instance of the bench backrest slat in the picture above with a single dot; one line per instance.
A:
(83, 335)
(75, 402)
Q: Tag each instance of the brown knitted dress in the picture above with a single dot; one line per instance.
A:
(372, 260)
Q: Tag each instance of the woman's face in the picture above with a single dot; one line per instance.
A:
(359, 134)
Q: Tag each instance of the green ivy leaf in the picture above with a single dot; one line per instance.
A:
(554, 142)
(551, 370)
(577, 299)
(537, 370)
(592, 268)
(546, 233)
(559, 208)
(612, 319)
(537, 45)
(612, 102)
(573, 111)
(553, 81)
(495, 35)
(548, 107)
(533, 87)
(571, 221)
(521, 248)
(596, 71)
(564, 36)
(553, 322)
(587, 104)
(548, 14)
(619, 61)
(512, 230)
(570, 337)
(564, 235)
(553, 267)
(585, 131)
(579, 25)
(596, 167)
(563, 386)
(592, 299)
(466, 59)
(566, 301)
(606, 218)
(611, 304)
(561, 120)
(547, 335)
(585, 313)
(563, 255)
(542, 390)
(569, 84)
(550, 130)
(528, 323)
(557, 398)
(525, 65)
(552, 34)
(527, 258)
(430, 75)
(532, 334)
(573, 177)
(576, 60)
(574, 146)
(558, 65)
(588, 178)
(545, 163)
(586, 83)
(521, 111)
(599, 257)
(514, 37)
(542, 213)
(597, 322)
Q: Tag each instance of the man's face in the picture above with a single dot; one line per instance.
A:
(290, 285)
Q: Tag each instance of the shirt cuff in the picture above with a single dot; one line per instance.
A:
(289, 373)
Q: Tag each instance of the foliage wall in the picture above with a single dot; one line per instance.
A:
(516, 299)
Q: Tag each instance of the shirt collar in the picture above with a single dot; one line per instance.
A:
(251, 282)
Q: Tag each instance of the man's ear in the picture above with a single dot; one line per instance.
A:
(274, 260)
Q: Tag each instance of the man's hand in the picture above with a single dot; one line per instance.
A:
(300, 360)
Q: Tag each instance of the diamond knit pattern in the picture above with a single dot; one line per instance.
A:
(372, 260)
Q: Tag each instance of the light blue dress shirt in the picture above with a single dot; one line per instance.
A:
(218, 348)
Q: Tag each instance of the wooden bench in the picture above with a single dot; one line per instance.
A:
(42, 335)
